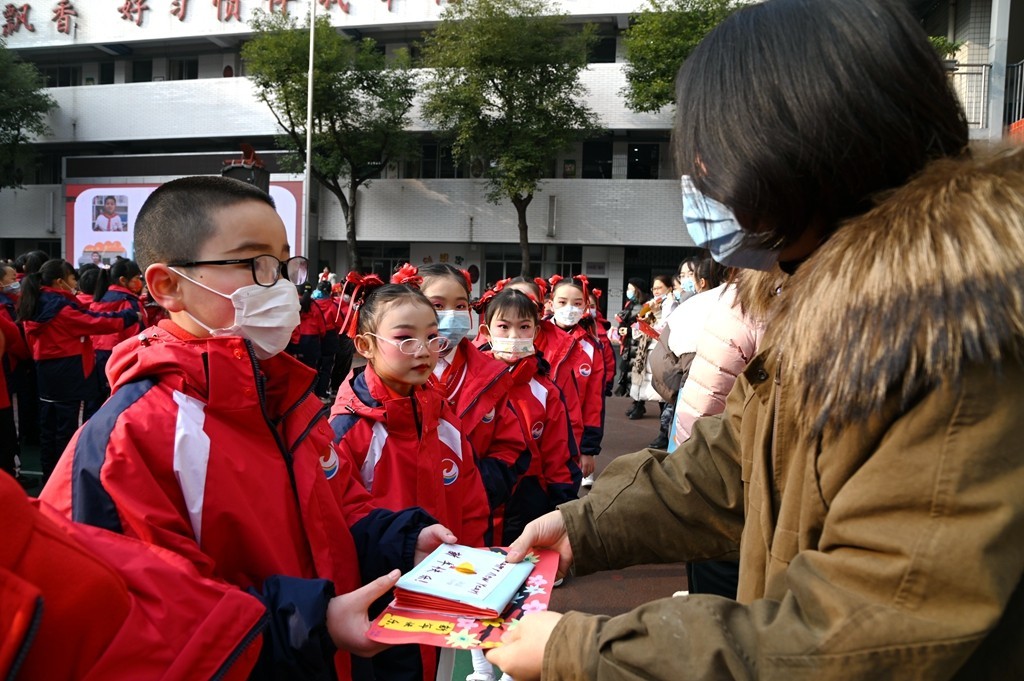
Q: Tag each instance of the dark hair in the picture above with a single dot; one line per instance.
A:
(88, 279)
(30, 262)
(797, 110)
(31, 285)
(710, 271)
(443, 269)
(324, 287)
(128, 269)
(532, 283)
(665, 279)
(380, 299)
(515, 301)
(305, 293)
(692, 261)
(641, 290)
(175, 221)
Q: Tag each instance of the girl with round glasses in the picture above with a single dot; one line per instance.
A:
(402, 436)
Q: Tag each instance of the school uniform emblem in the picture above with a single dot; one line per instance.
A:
(537, 430)
(489, 416)
(584, 370)
(330, 464)
(451, 473)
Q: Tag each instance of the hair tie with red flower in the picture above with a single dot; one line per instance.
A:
(364, 284)
(407, 274)
(542, 284)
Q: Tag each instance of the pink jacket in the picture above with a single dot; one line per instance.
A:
(726, 345)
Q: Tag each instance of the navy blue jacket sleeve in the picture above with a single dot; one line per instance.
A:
(296, 643)
(386, 540)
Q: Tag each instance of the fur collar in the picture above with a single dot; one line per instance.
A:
(904, 296)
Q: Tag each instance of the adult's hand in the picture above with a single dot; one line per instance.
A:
(348, 621)
(521, 654)
(430, 538)
(546, 532)
(587, 464)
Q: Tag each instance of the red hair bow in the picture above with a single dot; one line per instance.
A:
(582, 278)
(407, 274)
(597, 293)
(363, 283)
(542, 284)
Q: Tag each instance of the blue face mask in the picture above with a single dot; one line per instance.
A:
(454, 325)
(713, 225)
(688, 286)
(630, 295)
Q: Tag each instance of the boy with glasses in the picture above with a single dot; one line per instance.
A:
(214, 446)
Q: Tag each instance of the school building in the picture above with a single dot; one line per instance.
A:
(149, 90)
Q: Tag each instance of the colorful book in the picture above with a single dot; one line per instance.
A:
(465, 601)
(460, 580)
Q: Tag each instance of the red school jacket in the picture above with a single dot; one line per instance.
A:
(119, 298)
(225, 460)
(409, 451)
(476, 386)
(554, 476)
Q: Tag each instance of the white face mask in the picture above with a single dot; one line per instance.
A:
(511, 349)
(569, 315)
(264, 315)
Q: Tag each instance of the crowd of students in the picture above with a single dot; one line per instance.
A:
(191, 404)
(214, 518)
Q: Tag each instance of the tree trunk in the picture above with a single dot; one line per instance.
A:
(355, 263)
(521, 203)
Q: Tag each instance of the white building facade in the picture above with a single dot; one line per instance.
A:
(149, 90)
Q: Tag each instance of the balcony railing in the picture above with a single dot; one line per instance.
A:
(971, 83)
(1014, 93)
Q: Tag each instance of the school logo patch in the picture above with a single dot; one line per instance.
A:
(537, 430)
(330, 464)
(489, 416)
(451, 473)
(584, 370)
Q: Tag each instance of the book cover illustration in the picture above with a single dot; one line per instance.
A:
(436, 620)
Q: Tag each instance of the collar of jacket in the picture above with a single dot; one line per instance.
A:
(901, 298)
(366, 397)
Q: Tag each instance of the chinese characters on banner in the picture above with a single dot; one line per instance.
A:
(62, 14)
(16, 17)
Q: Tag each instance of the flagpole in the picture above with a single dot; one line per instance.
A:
(307, 181)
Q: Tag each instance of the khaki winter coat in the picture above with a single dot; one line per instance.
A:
(868, 470)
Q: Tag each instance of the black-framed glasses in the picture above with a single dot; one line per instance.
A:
(411, 346)
(266, 269)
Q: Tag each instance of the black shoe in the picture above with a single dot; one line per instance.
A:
(637, 412)
(660, 442)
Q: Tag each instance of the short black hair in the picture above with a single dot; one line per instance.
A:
(380, 299)
(174, 223)
(515, 301)
(791, 111)
(443, 269)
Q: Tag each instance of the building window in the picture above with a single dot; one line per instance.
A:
(182, 69)
(503, 261)
(142, 71)
(62, 76)
(436, 161)
(107, 73)
(564, 260)
(383, 259)
(597, 160)
(643, 162)
(603, 52)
